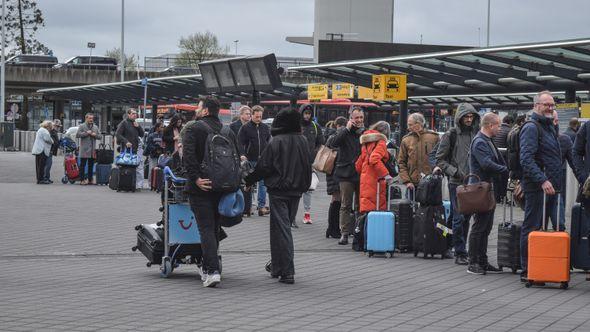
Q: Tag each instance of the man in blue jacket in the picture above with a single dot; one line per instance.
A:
(540, 159)
(486, 162)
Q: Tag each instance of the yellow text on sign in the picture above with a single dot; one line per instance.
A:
(342, 90)
(317, 91)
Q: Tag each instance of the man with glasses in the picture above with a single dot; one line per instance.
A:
(540, 159)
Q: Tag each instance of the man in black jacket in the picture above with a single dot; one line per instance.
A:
(254, 136)
(204, 202)
(245, 117)
(286, 168)
(129, 131)
(347, 141)
(313, 133)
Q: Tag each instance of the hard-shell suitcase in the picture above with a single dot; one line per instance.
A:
(509, 241)
(430, 231)
(150, 242)
(157, 179)
(580, 246)
(114, 178)
(380, 230)
(103, 171)
(71, 167)
(127, 178)
(549, 254)
(404, 220)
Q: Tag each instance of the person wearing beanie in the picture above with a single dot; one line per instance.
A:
(285, 167)
(313, 133)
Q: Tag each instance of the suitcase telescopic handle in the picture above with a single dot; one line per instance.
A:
(545, 221)
(378, 195)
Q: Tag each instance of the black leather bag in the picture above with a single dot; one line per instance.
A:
(104, 155)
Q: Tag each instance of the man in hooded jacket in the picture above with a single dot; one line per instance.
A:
(285, 167)
(452, 157)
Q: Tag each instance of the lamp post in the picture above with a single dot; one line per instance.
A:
(236, 43)
(122, 40)
(90, 45)
(488, 32)
(2, 74)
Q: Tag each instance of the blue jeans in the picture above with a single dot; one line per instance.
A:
(460, 223)
(533, 215)
(47, 170)
(261, 190)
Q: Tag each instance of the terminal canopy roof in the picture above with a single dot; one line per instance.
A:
(161, 90)
(523, 68)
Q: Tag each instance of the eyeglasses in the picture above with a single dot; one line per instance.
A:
(469, 116)
(548, 105)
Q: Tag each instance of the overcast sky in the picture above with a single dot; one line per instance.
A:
(153, 27)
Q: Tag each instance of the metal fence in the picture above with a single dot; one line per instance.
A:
(23, 140)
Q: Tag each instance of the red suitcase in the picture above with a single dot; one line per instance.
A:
(71, 167)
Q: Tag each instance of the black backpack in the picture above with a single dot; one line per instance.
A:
(453, 140)
(513, 149)
(221, 160)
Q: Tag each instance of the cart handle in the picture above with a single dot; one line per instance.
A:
(168, 173)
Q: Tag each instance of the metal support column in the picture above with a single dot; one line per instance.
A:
(403, 118)
(570, 95)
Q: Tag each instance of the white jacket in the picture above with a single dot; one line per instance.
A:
(43, 142)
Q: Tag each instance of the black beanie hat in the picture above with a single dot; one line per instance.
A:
(286, 122)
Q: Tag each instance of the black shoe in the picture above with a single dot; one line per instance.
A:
(268, 266)
(50, 181)
(343, 240)
(294, 225)
(476, 269)
(461, 260)
(334, 234)
(523, 276)
(287, 279)
(448, 254)
(489, 268)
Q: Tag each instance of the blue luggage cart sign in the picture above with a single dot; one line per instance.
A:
(182, 227)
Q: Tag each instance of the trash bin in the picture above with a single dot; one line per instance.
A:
(7, 135)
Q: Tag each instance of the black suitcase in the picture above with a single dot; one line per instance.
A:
(404, 220)
(150, 242)
(429, 190)
(127, 179)
(430, 231)
(114, 179)
(580, 246)
(509, 242)
(358, 233)
(102, 174)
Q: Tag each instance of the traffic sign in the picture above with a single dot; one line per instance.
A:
(342, 90)
(91, 45)
(317, 91)
(389, 87)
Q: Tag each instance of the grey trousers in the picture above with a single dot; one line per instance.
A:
(347, 192)
(283, 211)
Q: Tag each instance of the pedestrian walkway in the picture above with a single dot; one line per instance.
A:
(67, 264)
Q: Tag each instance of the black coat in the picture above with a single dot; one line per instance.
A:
(126, 132)
(55, 145)
(193, 148)
(333, 185)
(253, 139)
(314, 136)
(349, 149)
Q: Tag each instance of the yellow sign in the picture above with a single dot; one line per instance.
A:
(585, 111)
(389, 87)
(566, 106)
(364, 93)
(342, 90)
(317, 91)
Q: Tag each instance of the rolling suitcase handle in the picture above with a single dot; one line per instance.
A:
(544, 225)
(387, 197)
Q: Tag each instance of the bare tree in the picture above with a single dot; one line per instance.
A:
(23, 20)
(199, 47)
(130, 60)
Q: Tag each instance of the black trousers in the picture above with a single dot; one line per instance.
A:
(205, 209)
(478, 237)
(83, 174)
(283, 211)
(40, 160)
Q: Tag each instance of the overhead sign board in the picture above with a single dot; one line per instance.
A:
(566, 112)
(389, 87)
(317, 91)
(364, 93)
(342, 90)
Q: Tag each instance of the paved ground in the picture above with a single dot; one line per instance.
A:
(67, 265)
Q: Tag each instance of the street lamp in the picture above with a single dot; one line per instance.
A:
(90, 45)
(236, 42)
(2, 70)
(122, 40)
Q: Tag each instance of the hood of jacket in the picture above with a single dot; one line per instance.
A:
(370, 136)
(286, 122)
(462, 110)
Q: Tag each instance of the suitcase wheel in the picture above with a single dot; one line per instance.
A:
(370, 254)
(514, 270)
(166, 267)
(415, 254)
(388, 254)
(148, 264)
(564, 285)
(134, 248)
(64, 180)
(72, 181)
(528, 284)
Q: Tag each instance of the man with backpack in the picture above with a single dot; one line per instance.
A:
(285, 166)
(540, 166)
(313, 133)
(452, 157)
(212, 164)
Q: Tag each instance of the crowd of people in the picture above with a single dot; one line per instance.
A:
(533, 155)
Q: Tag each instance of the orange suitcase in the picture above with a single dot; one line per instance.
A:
(549, 255)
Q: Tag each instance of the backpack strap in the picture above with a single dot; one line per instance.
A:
(453, 138)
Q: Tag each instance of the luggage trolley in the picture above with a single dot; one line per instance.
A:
(181, 234)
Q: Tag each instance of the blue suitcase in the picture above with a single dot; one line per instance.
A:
(103, 172)
(579, 245)
(380, 231)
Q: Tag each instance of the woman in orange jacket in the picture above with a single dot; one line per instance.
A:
(371, 167)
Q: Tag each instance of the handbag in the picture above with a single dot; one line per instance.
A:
(324, 160)
(127, 158)
(314, 181)
(104, 155)
(231, 208)
(429, 190)
(392, 166)
(476, 197)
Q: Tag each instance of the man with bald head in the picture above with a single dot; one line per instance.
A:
(487, 163)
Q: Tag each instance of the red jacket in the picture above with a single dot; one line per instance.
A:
(371, 167)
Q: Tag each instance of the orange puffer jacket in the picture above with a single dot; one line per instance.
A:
(371, 167)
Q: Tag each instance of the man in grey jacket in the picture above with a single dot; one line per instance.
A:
(452, 157)
(88, 133)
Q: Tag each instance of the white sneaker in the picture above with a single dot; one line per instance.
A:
(212, 279)
(200, 272)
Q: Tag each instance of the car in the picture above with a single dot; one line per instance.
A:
(268, 121)
(32, 60)
(89, 62)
